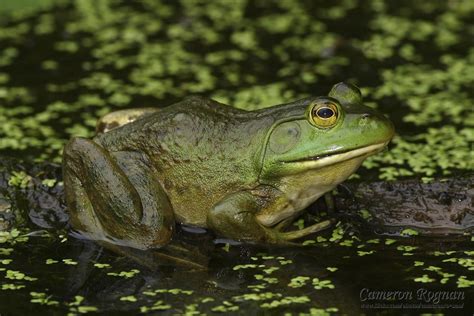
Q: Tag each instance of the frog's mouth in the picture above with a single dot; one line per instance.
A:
(333, 158)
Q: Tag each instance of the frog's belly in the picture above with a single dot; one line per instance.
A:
(193, 194)
(299, 191)
(192, 202)
(291, 204)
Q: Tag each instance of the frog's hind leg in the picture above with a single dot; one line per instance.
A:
(119, 118)
(81, 212)
(105, 202)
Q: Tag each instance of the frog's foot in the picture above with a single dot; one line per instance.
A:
(107, 203)
(282, 226)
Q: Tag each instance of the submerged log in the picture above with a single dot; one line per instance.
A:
(32, 195)
(442, 206)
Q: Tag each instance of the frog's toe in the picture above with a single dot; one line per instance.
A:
(291, 235)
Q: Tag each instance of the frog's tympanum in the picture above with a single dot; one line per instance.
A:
(241, 174)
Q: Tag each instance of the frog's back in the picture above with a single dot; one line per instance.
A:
(199, 149)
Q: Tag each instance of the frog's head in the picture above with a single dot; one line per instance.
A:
(324, 133)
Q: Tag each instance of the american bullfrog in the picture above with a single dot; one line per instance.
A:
(242, 174)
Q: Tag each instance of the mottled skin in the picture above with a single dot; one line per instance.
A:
(244, 175)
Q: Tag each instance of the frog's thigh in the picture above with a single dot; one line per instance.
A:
(234, 217)
(116, 203)
(81, 212)
(158, 213)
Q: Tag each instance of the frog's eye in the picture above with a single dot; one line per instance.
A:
(324, 114)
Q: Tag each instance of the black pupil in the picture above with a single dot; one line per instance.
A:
(325, 113)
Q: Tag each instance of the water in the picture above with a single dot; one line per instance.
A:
(78, 61)
(237, 277)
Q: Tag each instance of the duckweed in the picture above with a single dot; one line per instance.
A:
(121, 59)
(17, 275)
(19, 179)
(337, 234)
(125, 274)
(6, 251)
(373, 241)
(12, 237)
(390, 241)
(409, 232)
(129, 298)
(157, 306)
(261, 277)
(49, 182)
(76, 307)
(42, 298)
(463, 282)
(406, 248)
(298, 281)
(226, 307)
(101, 265)
(464, 262)
(284, 262)
(69, 262)
(322, 284)
(289, 300)
(13, 287)
(424, 279)
(247, 266)
(257, 296)
(85, 309)
(347, 243)
(87, 58)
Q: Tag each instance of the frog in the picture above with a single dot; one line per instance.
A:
(244, 175)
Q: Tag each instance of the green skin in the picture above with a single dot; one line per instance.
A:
(244, 175)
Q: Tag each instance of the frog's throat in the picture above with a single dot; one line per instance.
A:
(319, 162)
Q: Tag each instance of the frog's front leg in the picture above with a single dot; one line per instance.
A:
(234, 217)
(114, 197)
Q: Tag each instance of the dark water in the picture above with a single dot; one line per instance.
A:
(386, 269)
(351, 271)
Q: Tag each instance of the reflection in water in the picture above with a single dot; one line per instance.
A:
(194, 271)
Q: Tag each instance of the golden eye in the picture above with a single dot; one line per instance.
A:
(324, 114)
